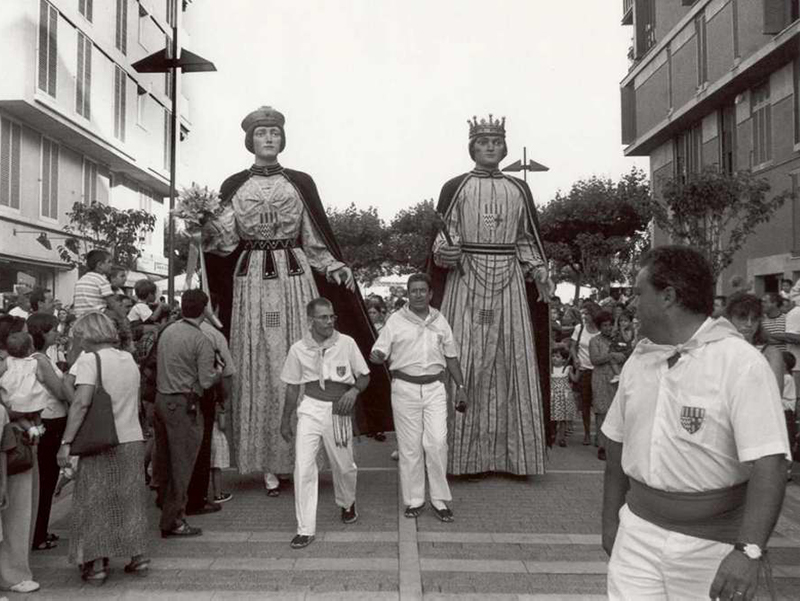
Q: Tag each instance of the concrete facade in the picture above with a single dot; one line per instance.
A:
(717, 83)
(78, 123)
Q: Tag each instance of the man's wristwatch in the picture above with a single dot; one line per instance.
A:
(751, 551)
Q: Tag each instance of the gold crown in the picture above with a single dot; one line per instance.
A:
(492, 127)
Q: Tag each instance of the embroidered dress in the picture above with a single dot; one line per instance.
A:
(272, 284)
(562, 405)
(487, 309)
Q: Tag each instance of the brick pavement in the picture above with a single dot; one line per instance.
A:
(512, 539)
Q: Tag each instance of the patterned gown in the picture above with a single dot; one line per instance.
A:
(272, 284)
(502, 430)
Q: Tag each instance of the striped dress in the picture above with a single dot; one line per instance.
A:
(502, 430)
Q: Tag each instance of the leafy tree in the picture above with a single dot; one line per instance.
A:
(97, 225)
(715, 211)
(593, 233)
(409, 237)
(360, 234)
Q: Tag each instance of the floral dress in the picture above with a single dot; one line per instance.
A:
(562, 406)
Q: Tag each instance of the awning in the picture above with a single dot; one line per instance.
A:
(6, 258)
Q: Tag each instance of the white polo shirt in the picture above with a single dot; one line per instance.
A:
(696, 426)
(342, 363)
(416, 346)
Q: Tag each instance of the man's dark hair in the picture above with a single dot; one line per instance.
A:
(36, 297)
(321, 301)
(419, 277)
(193, 303)
(40, 324)
(775, 298)
(744, 304)
(144, 288)
(8, 325)
(686, 271)
(115, 269)
(789, 361)
(601, 317)
(96, 256)
(19, 344)
(787, 281)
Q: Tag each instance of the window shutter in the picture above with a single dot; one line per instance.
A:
(123, 97)
(45, 177)
(118, 37)
(16, 138)
(43, 45)
(87, 84)
(774, 16)
(89, 9)
(5, 162)
(54, 152)
(79, 79)
(52, 51)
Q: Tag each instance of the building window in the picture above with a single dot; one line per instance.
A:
(121, 40)
(172, 12)
(141, 105)
(120, 87)
(85, 8)
(735, 27)
(49, 193)
(727, 138)
(645, 26)
(10, 136)
(796, 101)
(702, 49)
(762, 125)
(48, 47)
(795, 215)
(89, 194)
(146, 204)
(83, 82)
(688, 148)
(167, 139)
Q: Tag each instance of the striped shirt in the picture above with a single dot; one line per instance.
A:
(90, 293)
(776, 325)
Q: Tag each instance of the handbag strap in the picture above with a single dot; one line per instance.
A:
(99, 370)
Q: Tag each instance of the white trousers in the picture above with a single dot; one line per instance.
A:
(315, 425)
(649, 562)
(420, 423)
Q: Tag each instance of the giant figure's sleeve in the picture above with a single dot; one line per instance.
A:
(319, 257)
(220, 235)
(453, 224)
(527, 248)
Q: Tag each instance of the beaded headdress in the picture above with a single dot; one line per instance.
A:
(492, 127)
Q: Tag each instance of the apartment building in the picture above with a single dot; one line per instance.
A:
(78, 124)
(717, 82)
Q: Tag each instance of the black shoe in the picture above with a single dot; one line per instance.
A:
(444, 515)
(414, 512)
(349, 516)
(183, 530)
(601, 454)
(302, 540)
(380, 436)
(207, 508)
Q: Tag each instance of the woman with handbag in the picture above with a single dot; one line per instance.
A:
(108, 505)
(18, 504)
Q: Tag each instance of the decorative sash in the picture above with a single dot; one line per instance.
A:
(269, 271)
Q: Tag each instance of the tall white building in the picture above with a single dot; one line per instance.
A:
(77, 124)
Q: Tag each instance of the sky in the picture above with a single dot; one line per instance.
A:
(377, 93)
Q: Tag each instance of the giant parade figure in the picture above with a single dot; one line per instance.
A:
(490, 279)
(268, 254)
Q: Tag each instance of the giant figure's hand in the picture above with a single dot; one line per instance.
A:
(449, 256)
(344, 277)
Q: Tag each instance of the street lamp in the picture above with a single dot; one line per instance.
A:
(525, 165)
(173, 60)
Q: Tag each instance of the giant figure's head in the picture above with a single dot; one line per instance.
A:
(487, 141)
(264, 134)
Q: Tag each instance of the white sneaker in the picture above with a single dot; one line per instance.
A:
(26, 586)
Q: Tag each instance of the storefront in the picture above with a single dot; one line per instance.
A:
(51, 275)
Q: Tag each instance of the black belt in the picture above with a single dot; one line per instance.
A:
(268, 246)
(489, 249)
(428, 379)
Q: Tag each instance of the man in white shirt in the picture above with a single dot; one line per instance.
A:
(418, 344)
(331, 368)
(23, 306)
(697, 449)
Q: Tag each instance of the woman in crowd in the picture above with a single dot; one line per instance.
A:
(579, 351)
(108, 505)
(43, 328)
(17, 516)
(745, 312)
(606, 363)
(376, 309)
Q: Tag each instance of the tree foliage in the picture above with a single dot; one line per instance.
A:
(97, 225)
(360, 234)
(715, 211)
(594, 233)
(409, 238)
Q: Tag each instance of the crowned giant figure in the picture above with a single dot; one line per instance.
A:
(491, 283)
(269, 253)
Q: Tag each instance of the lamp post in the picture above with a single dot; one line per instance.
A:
(525, 165)
(174, 60)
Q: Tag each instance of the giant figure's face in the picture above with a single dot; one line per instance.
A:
(267, 142)
(488, 151)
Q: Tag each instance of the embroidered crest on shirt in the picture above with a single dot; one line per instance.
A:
(341, 370)
(692, 418)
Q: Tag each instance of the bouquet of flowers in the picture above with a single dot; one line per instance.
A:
(197, 206)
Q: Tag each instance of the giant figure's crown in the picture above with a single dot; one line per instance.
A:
(492, 127)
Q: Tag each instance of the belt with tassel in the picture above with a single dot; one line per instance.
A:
(268, 247)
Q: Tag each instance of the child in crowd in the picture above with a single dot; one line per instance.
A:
(789, 398)
(220, 458)
(22, 386)
(562, 406)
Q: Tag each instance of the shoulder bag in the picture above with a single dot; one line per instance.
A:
(98, 432)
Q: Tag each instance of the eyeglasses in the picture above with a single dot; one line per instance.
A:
(332, 318)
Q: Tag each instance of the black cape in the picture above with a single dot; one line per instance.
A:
(373, 409)
(539, 311)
